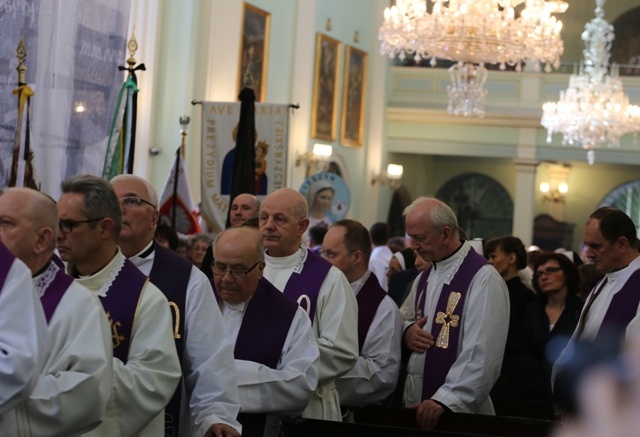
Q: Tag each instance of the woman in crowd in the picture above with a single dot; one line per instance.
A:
(508, 256)
(550, 321)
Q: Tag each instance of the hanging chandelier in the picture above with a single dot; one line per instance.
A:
(594, 111)
(474, 33)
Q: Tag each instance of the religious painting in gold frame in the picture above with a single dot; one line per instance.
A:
(353, 97)
(254, 49)
(325, 88)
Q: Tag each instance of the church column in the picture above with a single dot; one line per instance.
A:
(523, 205)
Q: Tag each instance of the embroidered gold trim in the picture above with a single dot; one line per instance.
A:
(441, 319)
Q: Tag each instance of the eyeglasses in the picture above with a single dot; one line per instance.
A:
(547, 271)
(327, 254)
(135, 202)
(235, 272)
(68, 226)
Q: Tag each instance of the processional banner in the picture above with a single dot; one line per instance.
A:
(219, 129)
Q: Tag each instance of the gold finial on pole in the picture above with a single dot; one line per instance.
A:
(132, 45)
(184, 122)
(21, 54)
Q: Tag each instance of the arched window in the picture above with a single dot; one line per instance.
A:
(626, 198)
(483, 206)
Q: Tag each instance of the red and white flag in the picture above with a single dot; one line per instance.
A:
(177, 208)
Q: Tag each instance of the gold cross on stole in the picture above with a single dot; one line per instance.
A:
(441, 319)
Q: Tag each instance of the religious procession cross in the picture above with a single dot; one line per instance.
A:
(441, 319)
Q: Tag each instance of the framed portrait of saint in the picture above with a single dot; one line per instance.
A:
(325, 88)
(254, 49)
(353, 97)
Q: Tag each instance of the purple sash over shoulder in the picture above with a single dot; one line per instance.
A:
(305, 286)
(121, 305)
(6, 261)
(369, 298)
(448, 315)
(56, 289)
(170, 273)
(261, 338)
(622, 309)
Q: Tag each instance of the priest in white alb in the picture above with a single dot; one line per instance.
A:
(73, 387)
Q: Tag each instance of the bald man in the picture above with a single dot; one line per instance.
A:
(207, 398)
(320, 288)
(243, 207)
(274, 347)
(74, 385)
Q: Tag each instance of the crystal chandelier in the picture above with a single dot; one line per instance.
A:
(474, 33)
(594, 111)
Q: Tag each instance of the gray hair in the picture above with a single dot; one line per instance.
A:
(99, 199)
(440, 214)
(153, 194)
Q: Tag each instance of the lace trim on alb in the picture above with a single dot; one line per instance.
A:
(113, 274)
(42, 283)
(464, 250)
(303, 257)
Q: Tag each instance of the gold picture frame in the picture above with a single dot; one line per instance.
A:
(254, 49)
(353, 97)
(325, 88)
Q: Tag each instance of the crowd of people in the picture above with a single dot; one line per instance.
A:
(107, 329)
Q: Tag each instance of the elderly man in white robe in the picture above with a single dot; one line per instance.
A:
(145, 363)
(78, 357)
(458, 313)
(321, 289)
(275, 349)
(23, 330)
(207, 398)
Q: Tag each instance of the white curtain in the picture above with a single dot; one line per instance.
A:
(74, 50)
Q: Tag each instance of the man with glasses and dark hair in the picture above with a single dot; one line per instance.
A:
(275, 350)
(145, 364)
(347, 245)
(320, 288)
(456, 319)
(72, 390)
(207, 395)
(612, 309)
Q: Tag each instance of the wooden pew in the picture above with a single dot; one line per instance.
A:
(458, 422)
(529, 409)
(324, 428)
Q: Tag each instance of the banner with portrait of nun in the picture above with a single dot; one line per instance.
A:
(219, 132)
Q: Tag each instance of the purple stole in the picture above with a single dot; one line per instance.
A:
(6, 261)
(121, 305)
(56, 289)
(305, 286)
(443, 354)
(369, 298)
(622, 309)
(265, 325)
(170, 273)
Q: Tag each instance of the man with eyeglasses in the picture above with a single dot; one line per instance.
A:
(145, 364)
(320, 288)
(77, 363)
(612, 309)
(456, 319)
(347, 245)
(207, 395)
(276, 354)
